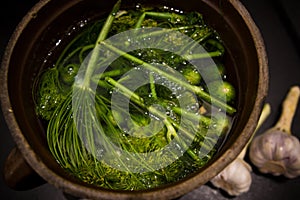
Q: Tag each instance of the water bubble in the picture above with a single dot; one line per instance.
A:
(179, 95)
(99, 152)
(58, 42)
(82, 23)
(138, 6)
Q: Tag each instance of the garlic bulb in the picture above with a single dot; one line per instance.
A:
(277, 151)
(236, 178)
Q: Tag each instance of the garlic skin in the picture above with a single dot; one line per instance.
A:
(276, 153)
(235, 179)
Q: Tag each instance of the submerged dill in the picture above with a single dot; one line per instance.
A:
(169, 128)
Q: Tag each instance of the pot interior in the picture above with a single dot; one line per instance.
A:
(47, 28)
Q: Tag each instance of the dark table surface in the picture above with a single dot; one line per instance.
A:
(279, 22)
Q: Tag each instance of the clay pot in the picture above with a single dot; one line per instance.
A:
(48, 21)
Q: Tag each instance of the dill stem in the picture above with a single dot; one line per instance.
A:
(102, 36)
(199, 91)
(152, 86)
(161, 15)
(203, 55)
(112, 73)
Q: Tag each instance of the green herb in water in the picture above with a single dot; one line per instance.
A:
(106, 145)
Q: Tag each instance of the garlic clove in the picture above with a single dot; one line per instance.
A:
(235, 179)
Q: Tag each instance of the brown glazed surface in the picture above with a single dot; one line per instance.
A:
(47, 22)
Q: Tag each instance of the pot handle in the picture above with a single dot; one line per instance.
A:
(18, 175)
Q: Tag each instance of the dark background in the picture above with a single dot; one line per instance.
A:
(279, 22)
